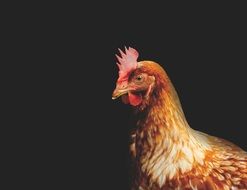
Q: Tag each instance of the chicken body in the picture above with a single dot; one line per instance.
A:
(167, 153)
(171, 155)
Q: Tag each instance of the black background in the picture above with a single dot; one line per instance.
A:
(77, 135)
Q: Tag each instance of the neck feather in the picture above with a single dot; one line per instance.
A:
(166, 146)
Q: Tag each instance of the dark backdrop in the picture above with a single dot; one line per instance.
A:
(81, 133)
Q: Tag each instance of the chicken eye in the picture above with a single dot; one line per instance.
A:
(139, 78)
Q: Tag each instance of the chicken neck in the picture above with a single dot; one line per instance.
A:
(165, 144)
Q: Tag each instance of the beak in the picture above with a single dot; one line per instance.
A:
(119, 91)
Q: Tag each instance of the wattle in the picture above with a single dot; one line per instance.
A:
(134, 99)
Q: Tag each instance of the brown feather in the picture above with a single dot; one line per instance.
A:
(168, 154)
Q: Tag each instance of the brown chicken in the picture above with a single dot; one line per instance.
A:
(167, 153)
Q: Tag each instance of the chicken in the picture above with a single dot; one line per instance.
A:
(167, 153)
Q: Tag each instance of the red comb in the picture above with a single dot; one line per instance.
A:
(127, 62)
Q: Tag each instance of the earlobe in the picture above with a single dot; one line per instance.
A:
(150, 86)
(149, 90)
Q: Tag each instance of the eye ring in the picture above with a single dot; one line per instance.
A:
(139, 78)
